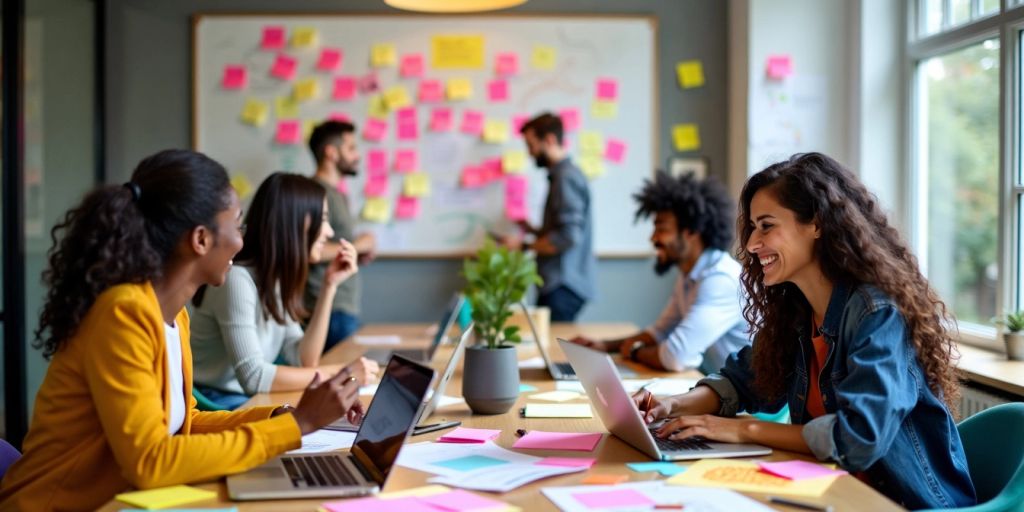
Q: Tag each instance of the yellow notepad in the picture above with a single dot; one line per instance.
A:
(746, 476)
(557, 411)
(165, 496)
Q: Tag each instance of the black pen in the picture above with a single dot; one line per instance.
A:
(799, 504)
(434, 427)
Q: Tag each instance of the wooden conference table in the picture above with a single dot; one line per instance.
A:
(847, 493)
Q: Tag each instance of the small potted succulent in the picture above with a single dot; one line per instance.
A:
(496, 279)
(1013, 337)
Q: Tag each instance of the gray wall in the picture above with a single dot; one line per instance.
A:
(148, 107)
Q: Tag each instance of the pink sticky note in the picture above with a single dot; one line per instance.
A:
(540, 440)
(283, 67)
(492, 171)
(441, 119)
(798, 469)
(376, 161)
(607, 89)
(407, 208)
(374, 504)
(376, 185)
(515, 209)
(473, 177)
(497, 90)
(339, 116)
(408, 131)
(613, 499)
(779, 67)
(406, 115)
(461, 501)
(273, 38)
(518, 121)
(342, 187)
(472, 122)
(570, 119)
(375, 129)
(288, 132)
(411, 66)
(330, 59)
(506, 64)
(235, 77)
(469, 435)
(368, 83)
(344, 88)
(431, 91)
(572, 462)
(615, 150)
(406, 160)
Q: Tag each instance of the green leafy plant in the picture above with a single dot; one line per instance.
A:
(1014, 322)
(495, 280)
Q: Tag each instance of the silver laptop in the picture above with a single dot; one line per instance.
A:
(621, 417)
(364, 469)
(423, 354)
(559, 370)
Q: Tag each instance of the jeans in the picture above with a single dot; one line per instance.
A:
(563, 303)
(225, 399)
(342, 326)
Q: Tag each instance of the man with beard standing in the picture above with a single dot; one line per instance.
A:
(564, 241)
(334, 148)
(702, 322)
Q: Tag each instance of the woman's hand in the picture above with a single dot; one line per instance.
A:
(714, 428)
(651, 409)
(364, 370)
(324, 402)
(343, 266)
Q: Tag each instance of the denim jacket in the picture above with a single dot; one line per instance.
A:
(881, 418)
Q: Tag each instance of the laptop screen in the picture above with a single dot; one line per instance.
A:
(450, 314)
(391, 415)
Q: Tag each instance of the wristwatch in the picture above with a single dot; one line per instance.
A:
(284, 409)
(637, 345)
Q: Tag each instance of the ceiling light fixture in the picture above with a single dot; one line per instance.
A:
(453, 6)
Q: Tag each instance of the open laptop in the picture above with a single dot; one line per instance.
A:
(423, 354)
(364, 469)
(621, 417)
(559, 370)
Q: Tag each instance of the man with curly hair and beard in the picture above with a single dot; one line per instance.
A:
(703, 320)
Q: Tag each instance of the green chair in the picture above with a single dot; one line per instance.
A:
(205, 404)
(995, 457)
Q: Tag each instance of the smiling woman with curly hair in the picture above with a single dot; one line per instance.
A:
(847, 332)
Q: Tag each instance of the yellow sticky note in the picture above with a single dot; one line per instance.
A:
(604, 109)
(690, 74)
(305, 37)
(377, 107)
(383, 55)
(741, 475)
(307, 129)
(242, 185)
(513, 162)
(592, 166)
(686, 137)
(416, 184)
(285, 107)
(306, 89)
(377, 209)
(255, 112)
(415, 492)
(543, 57)
(591, 142)
(397, 97)
(165, 496)
(495, 131)
(459, 89)
(457, 52)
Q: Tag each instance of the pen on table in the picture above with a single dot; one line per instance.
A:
(799, 504)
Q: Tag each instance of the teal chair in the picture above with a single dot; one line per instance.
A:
(994, 445)
(780, 417)
(205, 404)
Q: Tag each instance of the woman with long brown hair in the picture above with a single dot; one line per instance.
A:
(847, 332)
(246, 337)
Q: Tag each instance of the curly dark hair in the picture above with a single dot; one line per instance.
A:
(857, 246)
(703, 207)
(112, 237)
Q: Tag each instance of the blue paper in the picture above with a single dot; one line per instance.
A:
(526, 388)
(470, 462)
(665, 468)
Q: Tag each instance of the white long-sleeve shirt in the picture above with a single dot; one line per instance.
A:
(703, 321)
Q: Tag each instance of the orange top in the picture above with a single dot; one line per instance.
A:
(815, 404)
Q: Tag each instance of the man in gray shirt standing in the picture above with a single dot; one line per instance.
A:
(334, 148)
(564, 241)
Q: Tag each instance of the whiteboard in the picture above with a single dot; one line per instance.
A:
(453, 220)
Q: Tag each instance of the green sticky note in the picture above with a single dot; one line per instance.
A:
(470, 462)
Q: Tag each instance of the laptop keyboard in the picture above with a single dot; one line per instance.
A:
(565, 369)
(317, 471)
(689, 444)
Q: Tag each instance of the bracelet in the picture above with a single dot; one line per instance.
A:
(637, 345)
(284, 409)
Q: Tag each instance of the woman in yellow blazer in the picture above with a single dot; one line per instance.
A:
(115, 410)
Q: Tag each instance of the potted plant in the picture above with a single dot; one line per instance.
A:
(496, 280)
(1013, 337)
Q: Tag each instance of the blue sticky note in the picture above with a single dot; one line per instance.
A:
(526, 388)
(470, 462)
(665, 468)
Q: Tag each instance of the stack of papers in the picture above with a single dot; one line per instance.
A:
(481, 467)
(433, 498)
(648, 495)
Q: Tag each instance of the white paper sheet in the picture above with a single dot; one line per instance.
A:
(692, 498)
(325, 441)
(384, 339)
(422, 456)
(503, 478)
(533, 363)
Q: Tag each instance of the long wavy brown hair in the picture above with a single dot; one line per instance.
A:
(857, 246)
